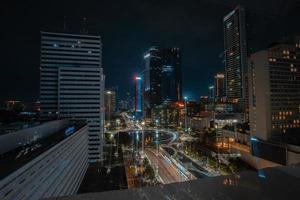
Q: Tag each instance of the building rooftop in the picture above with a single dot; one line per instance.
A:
(15, 126)
(271, 183)
(18, 157)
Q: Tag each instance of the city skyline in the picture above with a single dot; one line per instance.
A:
(126, 39)
(203, 95)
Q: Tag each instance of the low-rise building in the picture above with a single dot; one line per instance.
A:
(48, 160)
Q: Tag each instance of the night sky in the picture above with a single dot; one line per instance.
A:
(128, 29)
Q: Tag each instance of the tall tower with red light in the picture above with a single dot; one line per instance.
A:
(138, 94)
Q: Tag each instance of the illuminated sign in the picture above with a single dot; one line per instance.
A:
(69, 131)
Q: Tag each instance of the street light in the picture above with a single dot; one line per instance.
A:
(157, 143)
(218, 152)
(185, 114)
(143, 145)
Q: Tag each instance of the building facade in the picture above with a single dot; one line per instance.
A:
(152, 78)
(138, 95)
(235, 50)
(171, 75)
(51, 162)
(162, 77)
(219, 87)
(72, 82)
(110, 104)
(274, 86)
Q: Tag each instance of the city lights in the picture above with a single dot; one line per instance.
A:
(150, 100)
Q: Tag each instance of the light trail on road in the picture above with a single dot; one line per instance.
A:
(166, 170)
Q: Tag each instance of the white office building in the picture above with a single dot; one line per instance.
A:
(72, 82)
(274, 101)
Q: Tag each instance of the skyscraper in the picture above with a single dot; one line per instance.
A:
(211, 93)
(72, 82)
(171, 75)
(138, 94)
(152, 78)
(219, 86)
(162, 76)
(110, 104)
(274, 88)
(235, 50)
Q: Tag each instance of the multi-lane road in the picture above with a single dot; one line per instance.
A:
(166, 170)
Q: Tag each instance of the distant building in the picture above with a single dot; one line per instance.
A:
(162, 77)
(152, 78)
(169, 114)
(47, 160)
(110, 104)
(123, 105)
(204, 100)
(219, 107)
(202, 121)
(72, 82)
(131, 100)
(211, 94)
(138, 95)
(219, 87)
(235, 50)
(274, 86)
(15, 106)
(171, 88)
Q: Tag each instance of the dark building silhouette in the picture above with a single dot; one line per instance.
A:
(152, 78)
(162, 77)
(171, 75)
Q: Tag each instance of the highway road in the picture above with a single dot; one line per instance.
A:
(166, 170)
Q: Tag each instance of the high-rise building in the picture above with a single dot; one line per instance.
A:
(162, 76)
(274, 100)
(72, 82)
(110, 104)
(220, 90)
(130, 99)
(171, 75)
(138, 94)
(211, 93)
(235, 50)
(152, 78)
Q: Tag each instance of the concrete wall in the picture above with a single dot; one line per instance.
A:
(12, 140)
(293, 154)
(253, 161)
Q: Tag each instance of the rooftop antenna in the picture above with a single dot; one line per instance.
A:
(84, 26)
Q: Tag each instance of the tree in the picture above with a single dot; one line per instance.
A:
(145, 162)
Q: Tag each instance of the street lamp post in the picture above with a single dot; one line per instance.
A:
(185, 114)
(218, 152)
(157, 142)
(143, 145)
